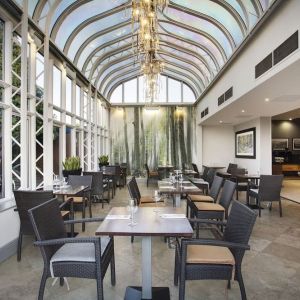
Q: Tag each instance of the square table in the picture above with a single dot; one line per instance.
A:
(177, 189)
(149, 224)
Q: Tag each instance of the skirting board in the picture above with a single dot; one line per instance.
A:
(8, 250)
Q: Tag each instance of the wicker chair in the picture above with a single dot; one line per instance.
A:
(269, 191)
(202, 259)
(98, 188)
(231, 168)
(204, 173)
(218, 211)
(26, 200)
(195, 168)
(151, 174)
(212, 195)
(210, 176)
(242, 185)
(84, 257)
(83, 199)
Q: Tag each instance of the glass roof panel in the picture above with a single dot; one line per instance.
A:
(82, 13)
(238, 8)
(216, 11)
(59, 9)
(203, 25)
(94, 28)
(194, 37)
(100, 41)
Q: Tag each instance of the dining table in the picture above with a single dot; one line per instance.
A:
(177, 189)
(168, 222)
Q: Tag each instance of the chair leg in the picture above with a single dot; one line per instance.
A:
(61, 281)
(241, 284)
(132, 238)
(280, 208)
(83, 215)
(147, 181)
(259, 210)
(99, 289)
(19, 246)
(113, 271)
(181, 287)
(90, 207)
(42, 286)
(228, 285)
(176, 269)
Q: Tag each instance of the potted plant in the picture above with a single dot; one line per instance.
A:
(103, 161)
(71, 166)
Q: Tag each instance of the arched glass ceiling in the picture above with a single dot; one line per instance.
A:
(197, 37)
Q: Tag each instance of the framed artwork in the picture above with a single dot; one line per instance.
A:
(245, 143)
(296, 144)
(280, 144)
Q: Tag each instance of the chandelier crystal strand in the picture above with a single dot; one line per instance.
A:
(144, 12)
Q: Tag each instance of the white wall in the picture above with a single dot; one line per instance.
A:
(217, 145)
(241, 74)
(9, 224)
(262, 164)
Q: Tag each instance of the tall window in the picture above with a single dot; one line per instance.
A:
(68, 94)
(56, 86)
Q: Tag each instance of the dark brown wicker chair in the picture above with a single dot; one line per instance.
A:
(26, 200)
(203, 259)
(151, 174)
(242, 185)
(83, 257)
(210, 176)
(268, 191)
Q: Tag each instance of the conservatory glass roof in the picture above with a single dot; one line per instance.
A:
(196, 37)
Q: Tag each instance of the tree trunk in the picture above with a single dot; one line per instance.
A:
(181, 138)
(136, 125)
(126, 139)
(142, 139)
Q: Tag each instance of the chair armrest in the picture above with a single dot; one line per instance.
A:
(68, 201)
(89, 220)
(67, 240)
(204, 221)
(212, 242)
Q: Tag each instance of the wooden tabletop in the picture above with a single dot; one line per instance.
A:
(247, 176)
(149, 223)
(186, 188)
(214, 167)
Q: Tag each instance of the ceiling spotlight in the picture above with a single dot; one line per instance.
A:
(290, 119)
(243, 110)
(267, 99)
(221, 121)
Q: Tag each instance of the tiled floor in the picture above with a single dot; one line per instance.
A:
(271, 268)
(291, 190)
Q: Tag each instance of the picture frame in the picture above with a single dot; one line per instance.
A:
(296, 143)
(245, 143)
(280, 144)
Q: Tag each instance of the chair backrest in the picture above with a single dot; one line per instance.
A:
(227, 193)
(239, 227)
(210, 176)
(270, 187)
(80, 180)
(116, 170)
(231, 168)
(205, 172)
(47, 224)
(136, 187)
(97, 182)
(238, 171)
(147, 169)
(195, 168)
(26, 200)
(216, 187)
(132, 191)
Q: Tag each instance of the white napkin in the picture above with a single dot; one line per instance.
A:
(118, 217)
(189, 187)
(173, 216)
(167, 187)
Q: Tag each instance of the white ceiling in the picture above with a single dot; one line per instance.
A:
(282, 90)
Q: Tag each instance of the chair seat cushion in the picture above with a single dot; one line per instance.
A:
(205, 254)
(153, 204)
(153, 173)
(76, 199)
(146, 199)
(201, 198)
(64, 213)
(209, 206)
(254, 191)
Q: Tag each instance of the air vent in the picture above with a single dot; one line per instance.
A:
(286, 48)
(228, 94)
(263, 66)
(204, 112)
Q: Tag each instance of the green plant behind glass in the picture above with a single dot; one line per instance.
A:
(103, 159)
(71, 163)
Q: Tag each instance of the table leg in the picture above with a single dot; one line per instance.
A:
(146, 268)
(177, 200)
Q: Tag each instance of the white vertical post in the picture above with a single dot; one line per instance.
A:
(73, 132)
(146, 268)
(89, 138)
(7, 113)
(62, 129)
(23, 106)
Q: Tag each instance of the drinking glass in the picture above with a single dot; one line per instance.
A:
(132, 209)
(55, 181)
(65, 181)
(156, 199)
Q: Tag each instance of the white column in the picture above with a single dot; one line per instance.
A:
(89, 138)
(7, 113)
(62, 129)
(146, 268)
(73, 132)
(23, 105)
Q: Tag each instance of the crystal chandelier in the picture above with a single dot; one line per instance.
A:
(144, 12)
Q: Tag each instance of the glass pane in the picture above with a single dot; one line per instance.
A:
(68, 94)
(1, 48)
(39, 75)
(85, 105)
(56, 86)
(56, 115)
(130, 91)
(68, 119)
(188, 95)
(174, 90)
(78, 100)
(163, 89)
(116, 96)
(1, 153)
(141, 89)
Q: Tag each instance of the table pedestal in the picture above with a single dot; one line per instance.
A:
(177, 200)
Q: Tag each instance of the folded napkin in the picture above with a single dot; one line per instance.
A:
(185, 181)
(167, 187)
(173, 216)
(117, 217)
(189, 187)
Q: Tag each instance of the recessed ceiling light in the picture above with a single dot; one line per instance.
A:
(290, 119)
(267, 99)
(243, 110)
(220, 121)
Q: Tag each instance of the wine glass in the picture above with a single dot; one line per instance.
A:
(133, 209)
(65, 181)
(156, 199)
(55, 181)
